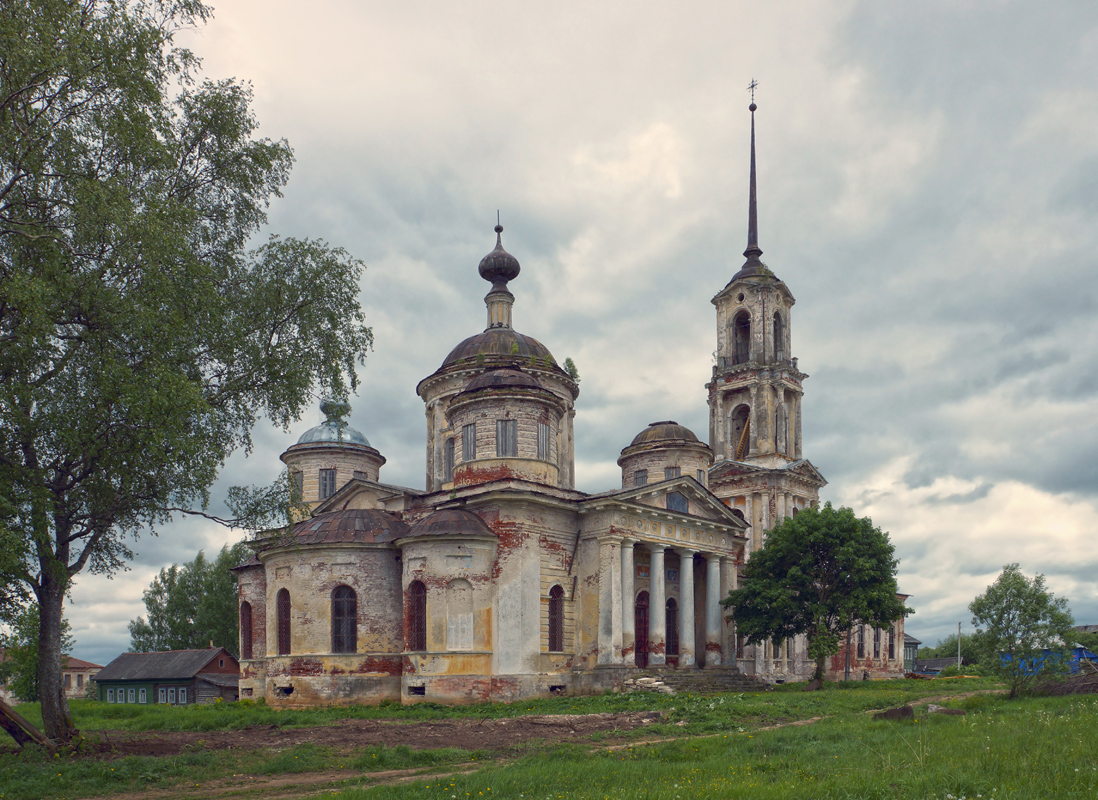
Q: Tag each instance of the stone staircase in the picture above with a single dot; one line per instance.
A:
(699, 681)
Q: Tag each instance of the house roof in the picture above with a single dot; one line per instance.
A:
(909, 639)
(165, 665)
(80, 664)
(222, 680)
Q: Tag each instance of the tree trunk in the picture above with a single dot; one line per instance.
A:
(821, 664)
(56, 718)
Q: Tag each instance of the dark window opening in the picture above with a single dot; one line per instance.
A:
(298, 485)
(417, 616)
(448, 459)
(418, 691)
(558, 689)
(640, 477)
(469, 442)
(677, 502)
(741, 333)
(701, 477)
(892, 645)
(285, 691)
(672, 627)
(344, 620)
(556, 619)
(738, 435)
(861, 641)
(327, 483)
(671, 472)
(877, 643)
(506, 438)
(282, 612)
(543, 441)
(779, 337)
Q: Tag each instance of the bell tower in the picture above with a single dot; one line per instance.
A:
(756, 391)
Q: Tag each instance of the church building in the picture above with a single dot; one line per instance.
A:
(500, 580)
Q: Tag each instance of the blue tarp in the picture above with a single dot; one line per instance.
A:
(1075, 655)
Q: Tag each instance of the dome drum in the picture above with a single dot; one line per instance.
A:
(664, 450)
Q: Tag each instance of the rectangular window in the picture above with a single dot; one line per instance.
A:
(68, 680)
(671, 472)
(327, 483)
(543, 441)
(298, 478)
(469, 442)
(877, 643)
(640, 477)
(448, 460)
(79, 681)
(171, 696)
(701, 477)
(506, 437)
(162, 696)
(361, 476)
(182, 695)
(110, 695)
(861, 641)
(892, 645)
(131, 695)
(143, 697)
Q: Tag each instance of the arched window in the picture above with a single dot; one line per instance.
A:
(459, 615)
(672, 622)
(741, 338)
(245, 630)
(282, 611)
(344, 620)
(779, 337)
(556, 619)
(739, 432)
(737, 513)
(417, 616)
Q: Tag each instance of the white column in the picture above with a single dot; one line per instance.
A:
(609, 601)
(687, 659)
(713, 645)
(628, 603)
(657, 611)
(728, 584)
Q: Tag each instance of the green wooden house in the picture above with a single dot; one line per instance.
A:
(174, 677)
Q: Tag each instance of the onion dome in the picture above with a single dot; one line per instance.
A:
(499, 266)
(333, 428)
(501, 343)
(666, 431)
(451, 522)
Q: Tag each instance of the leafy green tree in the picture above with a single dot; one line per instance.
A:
(1022, 629)
(19, 669)
(190, 606)
(139, 338)
(947, 647)
(817, 574)
(1087, 640)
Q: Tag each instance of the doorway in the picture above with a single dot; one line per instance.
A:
(641, 625)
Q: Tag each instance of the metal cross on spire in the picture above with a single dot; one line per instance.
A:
(751, 88)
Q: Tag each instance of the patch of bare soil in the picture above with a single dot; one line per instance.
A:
(285, 787)
(466, 734)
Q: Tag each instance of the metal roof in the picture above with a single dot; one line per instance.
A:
(361, 525)
(162, 666)
(504, 342)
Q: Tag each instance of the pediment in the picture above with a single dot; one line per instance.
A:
(357, 493)
(701, 503)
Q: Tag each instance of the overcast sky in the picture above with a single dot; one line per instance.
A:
(928, 187)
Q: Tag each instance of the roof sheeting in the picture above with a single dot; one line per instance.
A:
(163, 666)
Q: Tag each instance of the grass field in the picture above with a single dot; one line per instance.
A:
(1032, 748)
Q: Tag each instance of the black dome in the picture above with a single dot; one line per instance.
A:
(503, 342)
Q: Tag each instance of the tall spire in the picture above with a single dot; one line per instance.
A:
(753, 250)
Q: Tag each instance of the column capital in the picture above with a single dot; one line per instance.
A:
(686, 551)
(654, 546)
